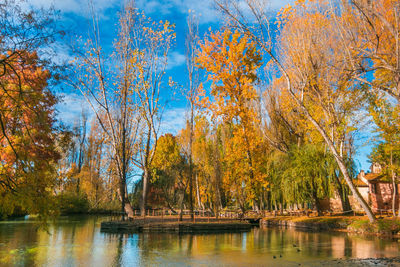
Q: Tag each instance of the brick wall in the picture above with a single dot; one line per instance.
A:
(382, 198)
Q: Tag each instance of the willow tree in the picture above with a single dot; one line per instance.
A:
(307, 177)
(316, 80)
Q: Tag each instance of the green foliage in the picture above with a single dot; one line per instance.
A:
(169, 172)
(386, 116)
(17, 212)
(71, 203)
(106, 207)
(303, 175)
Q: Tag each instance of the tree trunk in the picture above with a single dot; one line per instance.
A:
(144, 192)
(317, 203)
(327, 140)
(394, 195)
(340, 162)
(394, 185)
(355, 192)
(126, 207)
(191, 189)
(191, 163)
(200, 205)
(181, 206)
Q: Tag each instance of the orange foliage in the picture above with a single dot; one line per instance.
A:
(27, 149)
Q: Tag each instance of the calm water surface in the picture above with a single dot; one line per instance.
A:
(77, 241)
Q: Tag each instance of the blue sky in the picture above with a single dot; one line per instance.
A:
(75, 17)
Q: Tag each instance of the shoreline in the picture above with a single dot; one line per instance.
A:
(381, 261)
(385, 227)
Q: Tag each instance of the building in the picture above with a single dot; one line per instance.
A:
(377, 188)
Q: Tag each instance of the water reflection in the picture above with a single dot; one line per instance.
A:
(77, 241)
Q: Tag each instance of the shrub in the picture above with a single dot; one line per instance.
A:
(71, 203)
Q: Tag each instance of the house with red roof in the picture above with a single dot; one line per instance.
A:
(377, 188)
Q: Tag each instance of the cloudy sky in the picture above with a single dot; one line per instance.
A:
(74, 16)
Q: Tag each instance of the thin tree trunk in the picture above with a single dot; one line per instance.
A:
(144, 192)
(198, 193)
(394, 185)
(181, 206)
(191, 164)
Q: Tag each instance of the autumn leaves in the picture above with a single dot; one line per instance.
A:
(271, 123)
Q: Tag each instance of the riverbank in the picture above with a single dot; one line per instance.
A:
(353, 224)
(181, 227)
(392, 262)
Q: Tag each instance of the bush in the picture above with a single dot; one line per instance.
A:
(71, 203)
(106, 207)
(18, 211)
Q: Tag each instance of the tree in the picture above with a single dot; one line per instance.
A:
(24, 73)
(92, 174)
(202, 160)
(27, 137)
(24, 30)
(231, 61)
(310, 79)
(150, 47)
(386, 152)
(110, 94)
(191, 41)
(169, 171)
(370, 30)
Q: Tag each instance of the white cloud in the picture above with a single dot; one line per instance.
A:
(70, 108)
(173, 120)
(72, 104)
(205, 9)
(175, 59)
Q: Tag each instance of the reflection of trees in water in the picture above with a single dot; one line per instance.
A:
(77, 241)
(120, 251)
(189, 245)
(15, 236)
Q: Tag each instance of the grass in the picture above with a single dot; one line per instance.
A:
(383, 226)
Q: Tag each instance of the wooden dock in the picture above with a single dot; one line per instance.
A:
(175, 227)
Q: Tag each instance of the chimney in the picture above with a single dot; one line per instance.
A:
(361, 176)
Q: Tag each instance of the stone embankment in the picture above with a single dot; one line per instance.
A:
(308, 223)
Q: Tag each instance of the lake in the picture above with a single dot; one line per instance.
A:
(77, 241)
